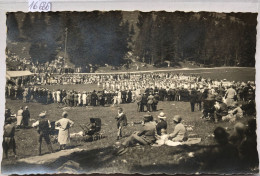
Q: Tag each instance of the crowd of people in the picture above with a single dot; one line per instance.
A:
(218, 101)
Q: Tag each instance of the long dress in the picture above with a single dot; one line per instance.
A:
(19, 117)
(64, 125)
(84, 99)
(58, 96)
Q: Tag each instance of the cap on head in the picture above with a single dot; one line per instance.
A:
(148, 118)
(65, 114)
(219, 99)
(26, 107)
(177, 118)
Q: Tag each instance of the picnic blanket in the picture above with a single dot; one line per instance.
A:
(165, 141)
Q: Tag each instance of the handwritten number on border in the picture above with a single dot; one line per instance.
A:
(39, 5)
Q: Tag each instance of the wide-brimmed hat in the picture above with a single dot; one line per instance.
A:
(177, 118)
(64, 114)
(161, 115)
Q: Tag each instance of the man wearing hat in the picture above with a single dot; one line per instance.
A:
(143, 137)
(162, 124)
(44, 126)
(179, 133)
(221, 109)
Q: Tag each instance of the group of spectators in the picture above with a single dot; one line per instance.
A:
(235, 151)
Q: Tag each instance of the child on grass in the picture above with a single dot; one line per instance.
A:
(121, 122)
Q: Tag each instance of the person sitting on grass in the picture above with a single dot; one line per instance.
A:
(162, 124)
(238, 134)
(221, 109)
(144, 137)
(121, 122)
(221, 158)
(179, 133)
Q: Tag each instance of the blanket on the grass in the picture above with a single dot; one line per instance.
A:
(163, 141)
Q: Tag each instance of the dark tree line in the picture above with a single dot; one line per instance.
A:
(206, 38)
(105, 37)
(92, 38)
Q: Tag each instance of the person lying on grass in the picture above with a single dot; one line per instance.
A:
(144, 137)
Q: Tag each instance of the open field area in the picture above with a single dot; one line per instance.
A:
(229, 73)
(98, 156)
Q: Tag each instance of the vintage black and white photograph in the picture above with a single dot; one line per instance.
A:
(130, 92)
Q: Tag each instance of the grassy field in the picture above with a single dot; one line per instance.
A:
(229, 73)
(98, 155)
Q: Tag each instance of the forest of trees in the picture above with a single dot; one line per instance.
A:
(106, 37)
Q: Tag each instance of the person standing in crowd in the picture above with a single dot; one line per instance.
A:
(179, 133)
(139, 102)
(121, 122)
(63, 94)
(54, 95)
(58, 93)
(150, 100)
(199, 99)
(119, 97)
(44, 127)
(26, 117)
(124, 96)
(129, 96)
(162, 124)
(94, 98)
(8, 138)
(79, 98)
(88, 99)
(230, 96)
(144, 101)
(64, 125)
(71, 95)
(25, 96)
(144, 137)
(84, 98)
(49, 98)
(155, 101)
(76, 99)
(19, 117)
(193, 98)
